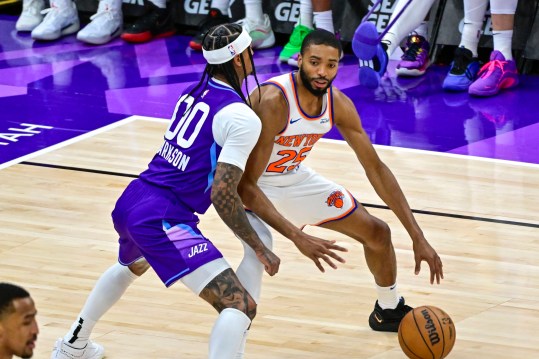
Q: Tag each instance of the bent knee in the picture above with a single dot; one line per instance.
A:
(380, 234)
(139, 267)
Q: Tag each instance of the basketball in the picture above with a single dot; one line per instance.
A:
(427, 332)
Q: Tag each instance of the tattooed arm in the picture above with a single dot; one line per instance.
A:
(227, 203)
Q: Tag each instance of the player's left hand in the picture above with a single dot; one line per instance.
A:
(423, 251)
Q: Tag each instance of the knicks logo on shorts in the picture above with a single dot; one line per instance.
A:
(335, 199)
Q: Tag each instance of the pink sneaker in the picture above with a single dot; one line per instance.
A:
(495, 75)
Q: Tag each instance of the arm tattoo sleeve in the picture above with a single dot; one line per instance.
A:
(229, 206)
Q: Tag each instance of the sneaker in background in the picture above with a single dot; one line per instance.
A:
(156, 23)
(215, 17)
(30, 15)
(293, 46)
(261, 32)
(105, 25)
(495, 75)
(388, 320)
(62, 350)
(463, 71)
(371, 53)
(60, 19)
(415, 60)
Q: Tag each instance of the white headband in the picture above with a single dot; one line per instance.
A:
(227, 53)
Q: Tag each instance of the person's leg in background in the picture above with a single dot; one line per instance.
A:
(60, 19)
(303, 27)
(313, 14)
(217, 15)
(465, 64)
(257, 24)
(157, 22)
(105, 25)
(501, 71)
(415, 58)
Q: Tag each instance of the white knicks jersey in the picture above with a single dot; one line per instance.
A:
(293, 144)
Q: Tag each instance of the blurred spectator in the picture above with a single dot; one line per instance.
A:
(256, 23)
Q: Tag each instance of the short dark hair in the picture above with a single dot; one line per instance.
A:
(8, 293)
(320, 37)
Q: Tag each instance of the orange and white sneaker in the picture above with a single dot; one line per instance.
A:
(261, 32)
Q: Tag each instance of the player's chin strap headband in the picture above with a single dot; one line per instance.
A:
(227, 53)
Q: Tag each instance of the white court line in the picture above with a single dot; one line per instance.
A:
(341, 142)
(442, 154)
(68, 142)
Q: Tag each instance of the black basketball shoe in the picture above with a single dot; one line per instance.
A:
(215, 17)
(388, 320)
(155, 23)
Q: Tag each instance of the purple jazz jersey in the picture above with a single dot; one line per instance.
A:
(155, 216)
(186, 161)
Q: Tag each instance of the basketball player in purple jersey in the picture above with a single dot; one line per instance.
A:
(200, 163)
(296, 110)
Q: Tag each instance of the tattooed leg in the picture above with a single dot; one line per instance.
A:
(236, 310)
(226, 291)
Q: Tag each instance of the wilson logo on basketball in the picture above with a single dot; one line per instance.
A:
(430, 327)
(335, 199)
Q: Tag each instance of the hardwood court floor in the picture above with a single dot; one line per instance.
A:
(56, 238)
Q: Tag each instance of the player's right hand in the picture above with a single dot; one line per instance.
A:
(319, 249)
(270, 261)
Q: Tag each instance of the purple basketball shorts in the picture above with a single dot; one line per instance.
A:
(153, 224)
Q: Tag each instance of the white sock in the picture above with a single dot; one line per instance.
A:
(324, 20)
(241, 350)
(162, 4)
(306, 13)
(107, 291)
(411, 18)
(502, 42)
(253, 10)
(388, 297)
(227, 334)
(222, 5)
(250, 271)
(503, 6)
(474, 14)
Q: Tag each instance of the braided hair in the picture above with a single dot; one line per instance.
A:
(218, 37)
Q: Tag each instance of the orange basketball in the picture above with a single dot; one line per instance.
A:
(427, 332)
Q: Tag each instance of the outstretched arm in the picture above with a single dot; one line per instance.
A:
(229, 206)
(273, 112)
(384, 182)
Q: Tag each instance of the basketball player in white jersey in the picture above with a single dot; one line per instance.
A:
(296, 110)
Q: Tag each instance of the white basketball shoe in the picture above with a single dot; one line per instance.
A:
(60, 19)
(105, 25)
(261, 32)
(64, 351)
(31, 15)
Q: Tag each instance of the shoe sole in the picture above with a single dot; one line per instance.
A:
(365, 41)
(145, 36)
(368, 77)
(505, 84)
(99, 40)
(71, 29)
